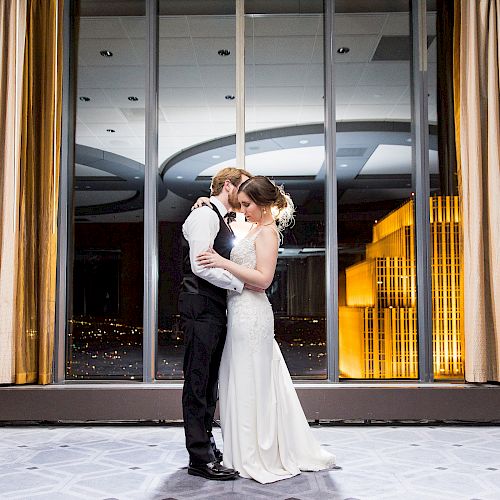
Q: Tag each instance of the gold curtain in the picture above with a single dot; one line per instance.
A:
(12, 33)
(39, 192)
(478, 122)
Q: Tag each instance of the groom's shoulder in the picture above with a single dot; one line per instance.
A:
(199, 214)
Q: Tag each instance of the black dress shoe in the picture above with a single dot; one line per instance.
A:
(212, 470)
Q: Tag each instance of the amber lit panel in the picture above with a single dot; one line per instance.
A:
(447, 287)
(361, 283)
(402, 217)
(381, 282)
(378, 327)
(351, 342)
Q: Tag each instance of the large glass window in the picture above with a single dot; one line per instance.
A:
(105, 313)
(377, 272)
(197, 123)
(285, 141)
(284, 122)
(284, 125)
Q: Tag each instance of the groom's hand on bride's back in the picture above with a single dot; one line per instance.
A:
(254, 288)
(201, 202)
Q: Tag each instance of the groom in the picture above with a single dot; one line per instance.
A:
(202, 307)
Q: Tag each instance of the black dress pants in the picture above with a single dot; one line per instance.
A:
(203, 321)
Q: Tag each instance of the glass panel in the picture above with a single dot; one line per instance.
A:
(198, 109)
(197, 123)
(105, 309)
(377, 282)
(285, 141)
(447, 277)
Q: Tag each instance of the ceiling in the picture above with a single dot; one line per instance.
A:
(284, 90)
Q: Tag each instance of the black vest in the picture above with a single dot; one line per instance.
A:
(223, 244)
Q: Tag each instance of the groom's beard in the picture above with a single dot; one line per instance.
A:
(233, 201)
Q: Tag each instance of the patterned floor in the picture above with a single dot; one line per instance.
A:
(148, 462)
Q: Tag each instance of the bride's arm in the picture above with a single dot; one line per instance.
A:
(266, 247)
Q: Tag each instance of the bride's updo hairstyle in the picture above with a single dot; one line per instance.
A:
(265, 193)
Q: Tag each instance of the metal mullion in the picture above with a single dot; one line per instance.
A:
(240, 83)
(66, 175)
(150, 309)
(420, 165)
(331, 247)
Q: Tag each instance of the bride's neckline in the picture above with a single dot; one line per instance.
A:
(256, 228)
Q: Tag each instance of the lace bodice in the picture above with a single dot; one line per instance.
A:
(249, 308)
(243, 252)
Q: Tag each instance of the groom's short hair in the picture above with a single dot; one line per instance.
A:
(231, 174)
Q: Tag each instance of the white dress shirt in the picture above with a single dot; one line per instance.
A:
(200, 230)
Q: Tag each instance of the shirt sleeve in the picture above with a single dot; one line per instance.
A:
(200, 231)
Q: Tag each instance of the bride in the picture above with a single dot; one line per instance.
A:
(265, 432)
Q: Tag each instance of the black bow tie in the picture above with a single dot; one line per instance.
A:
(230, 217)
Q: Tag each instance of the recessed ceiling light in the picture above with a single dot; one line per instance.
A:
(106, 53)
(136, 177)
(409, 139)
(215, 157)
(343, 50)
(179, 177)
(132, 98)
(343, 165)
(223, 52)
(304, 141)
(87, 187)
(110, 130)
(229, 97)
(84, 98)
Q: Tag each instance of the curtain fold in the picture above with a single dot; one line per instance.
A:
(12, 34)
(39, 192)
(479, 124)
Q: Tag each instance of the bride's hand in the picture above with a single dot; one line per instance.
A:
(211, 258)
(201, 201)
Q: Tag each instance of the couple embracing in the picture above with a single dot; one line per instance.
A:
(234, 356)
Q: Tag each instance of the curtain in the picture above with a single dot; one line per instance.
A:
(12, 33)
(479, 168)
(39, 192)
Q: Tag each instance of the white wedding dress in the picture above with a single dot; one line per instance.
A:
(266, 435)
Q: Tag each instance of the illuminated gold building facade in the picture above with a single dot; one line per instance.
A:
(378, 324)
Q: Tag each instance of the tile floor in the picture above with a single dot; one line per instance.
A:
(126, 462)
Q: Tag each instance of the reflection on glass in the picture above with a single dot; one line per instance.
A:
(447, 287)
(196, 82)
(380, 298)
(285, 141)
(105, 309)
(377, 279)
(447, 278)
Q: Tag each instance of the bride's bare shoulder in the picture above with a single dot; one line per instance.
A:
(269, 234)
